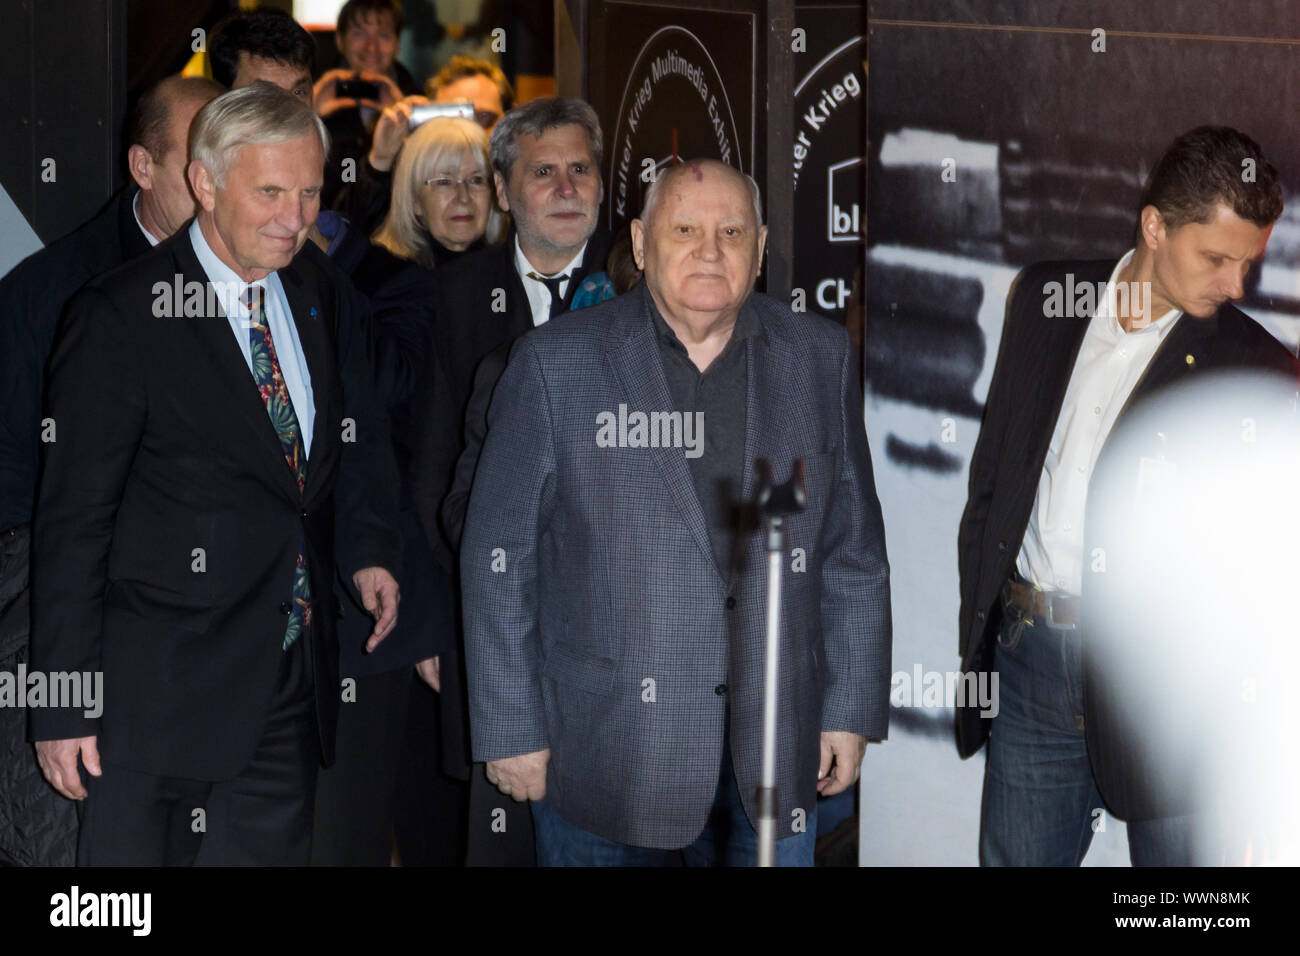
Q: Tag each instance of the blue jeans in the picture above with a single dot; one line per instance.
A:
(1040, 802)
(728, 838)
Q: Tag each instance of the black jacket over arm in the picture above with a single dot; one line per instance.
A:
(398, 329)
(365, 202)
(482, 306)
(164, 448)
(456, 504)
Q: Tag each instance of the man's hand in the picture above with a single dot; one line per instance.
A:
(847, 749)
(522, 777)
(391, 130)
(58, 760)
(380, 595)
(430, 672)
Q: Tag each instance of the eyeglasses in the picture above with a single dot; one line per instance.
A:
(447, 186)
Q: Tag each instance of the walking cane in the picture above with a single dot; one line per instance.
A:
(774, 503)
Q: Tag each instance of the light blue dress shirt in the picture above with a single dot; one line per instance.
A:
(229, 289)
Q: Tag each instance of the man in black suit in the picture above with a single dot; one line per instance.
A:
(218, 443)
(1082, 343)
(32, 296)
(546, 156)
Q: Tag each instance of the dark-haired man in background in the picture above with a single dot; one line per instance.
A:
(1070, 366)
(37, 827)
(367, 39)
(269, 45)
(368, 34)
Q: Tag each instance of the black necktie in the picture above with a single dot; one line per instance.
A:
(552, 283)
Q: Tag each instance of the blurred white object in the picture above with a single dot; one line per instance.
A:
(1192, 620)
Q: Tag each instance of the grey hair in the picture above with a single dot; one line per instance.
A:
(652, 193)
(252, 115)
(534, 118)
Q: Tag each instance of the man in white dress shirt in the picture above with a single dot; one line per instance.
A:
(1082, 343)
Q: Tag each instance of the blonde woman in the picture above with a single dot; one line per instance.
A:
(442, 200)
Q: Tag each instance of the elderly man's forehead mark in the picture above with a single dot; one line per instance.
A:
(695, 166)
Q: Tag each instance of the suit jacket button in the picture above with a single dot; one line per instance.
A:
(304, 513)
(979, 615)
(285, 607)
(731, 603)
(720, 690)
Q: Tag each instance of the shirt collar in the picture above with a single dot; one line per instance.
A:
(1110, 314)
(227, 284)
(135, 211)
(523, 266)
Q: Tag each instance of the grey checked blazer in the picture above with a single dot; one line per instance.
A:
(605, 580)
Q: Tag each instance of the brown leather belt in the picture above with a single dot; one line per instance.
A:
(1058, 609)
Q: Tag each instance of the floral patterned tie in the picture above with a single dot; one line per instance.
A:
(275, 395)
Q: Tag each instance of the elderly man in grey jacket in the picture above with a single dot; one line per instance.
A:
(615, 585)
